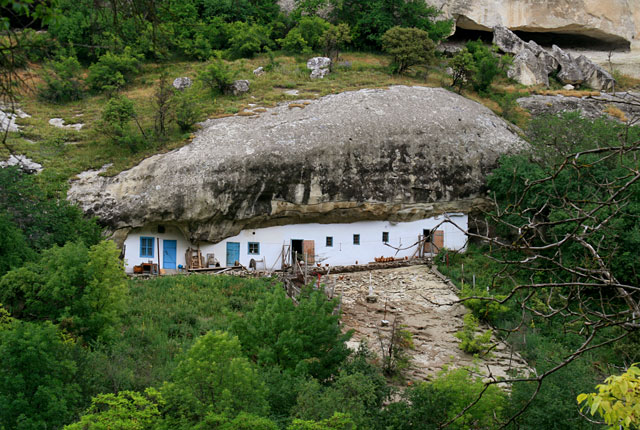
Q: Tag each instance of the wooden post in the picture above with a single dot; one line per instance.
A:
(305, 268)
(158, 239)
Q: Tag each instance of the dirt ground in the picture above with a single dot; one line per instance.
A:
(406, 294)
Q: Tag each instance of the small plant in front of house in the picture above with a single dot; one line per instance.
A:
(471, 342)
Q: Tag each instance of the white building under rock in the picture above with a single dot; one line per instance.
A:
(320, 244)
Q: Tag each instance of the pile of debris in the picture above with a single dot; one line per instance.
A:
(532, 64)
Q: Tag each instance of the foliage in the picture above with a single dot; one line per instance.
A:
(305, 338)
(61, 80)
(487, 64)
(338, 421)
(216, 76)
(116, 117)
(43, 219)
(14, 250)
(38, 387)
(464, 68)
(294, 43)
(163, 103)
(113, 71)
(82, 289)
(408, 47)
(187, 111)
(369, 20)
(214, 379)
(394, 349)
(127, 410)
(617, 400)
(246, 39)
(334, 39)
(471, 342)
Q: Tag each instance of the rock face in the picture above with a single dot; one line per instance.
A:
(618, 106)
(532, 64)
(610, 21)
(239, 87)
(400, 154)
(182, 83)
(25, 164)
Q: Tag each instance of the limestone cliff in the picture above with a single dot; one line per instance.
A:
(401, 154)
(613, 21)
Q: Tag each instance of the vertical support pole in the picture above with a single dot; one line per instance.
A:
(306, 271)
(158, 240)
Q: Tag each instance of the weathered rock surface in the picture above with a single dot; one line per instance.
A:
(8, 117)
(239, 87)
(404, 153)
(319, 66)
(423, 305)
(60, 123)
(616, 106)
(611, 21)
(182, 83)
(25, 164)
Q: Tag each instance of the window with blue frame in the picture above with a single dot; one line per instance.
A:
(146, 247)
(254, 248)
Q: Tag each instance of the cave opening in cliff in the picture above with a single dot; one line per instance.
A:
(547, 39)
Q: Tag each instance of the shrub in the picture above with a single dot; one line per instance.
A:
(216, 76)
(334, 39)
(471, 342)
(294, 43)
(187, 110)
(245, 39)
(487, 64)
(116, 118)
(408, 47)
(14, 250)
(62, 82)
(113, 71)
(463, 68)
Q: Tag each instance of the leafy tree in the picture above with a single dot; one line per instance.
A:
(116, 117)
(488, 64)
(127, 410)
(334, 39)
(338, 421)
(471, 342)
(82, 289)
(214, 382)
(464, 68)
(305, 339)
(408, 47)
(187, 110)
(38, 387)
(617, 400)
(369, 20)
(246, 39)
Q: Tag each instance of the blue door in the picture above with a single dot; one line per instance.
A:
(233, 253)
(169, 254)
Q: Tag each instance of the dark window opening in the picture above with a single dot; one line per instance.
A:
(161, 229)
(329, 241)
(385, 236)
(356, 239)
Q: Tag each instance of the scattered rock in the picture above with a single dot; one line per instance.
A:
(59, 122)
(238, 87)
(259, 71)
(319, 66)
(23, 163)
(568, 87)
(292, 92)
(532, 64)
(8, 118)
(182, 83)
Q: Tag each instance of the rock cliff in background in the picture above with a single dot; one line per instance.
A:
(400, 154)
(610, 21)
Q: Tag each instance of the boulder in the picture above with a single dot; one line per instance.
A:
(23, 163)
(617, 106)
(259, 71)
(182, 83)
(238, 87)
(568, 87)
(595, 76)
(527, 69)
(319, 66)
(570, 71)
(506, 40)
(398, 154)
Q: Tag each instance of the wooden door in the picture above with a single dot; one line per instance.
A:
(309, 248)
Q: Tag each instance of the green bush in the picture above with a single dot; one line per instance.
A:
(471, 342)
(334, 39)
(464, 68)
(216, 76)
(61, 81)
(187, 111)
(246, 39)
(82, 289)
(14, 250)
(408, 47)
(113, 71)
(294, 43)
(116, 118)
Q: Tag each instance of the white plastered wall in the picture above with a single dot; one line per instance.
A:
(403, 237)
(132, 246)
